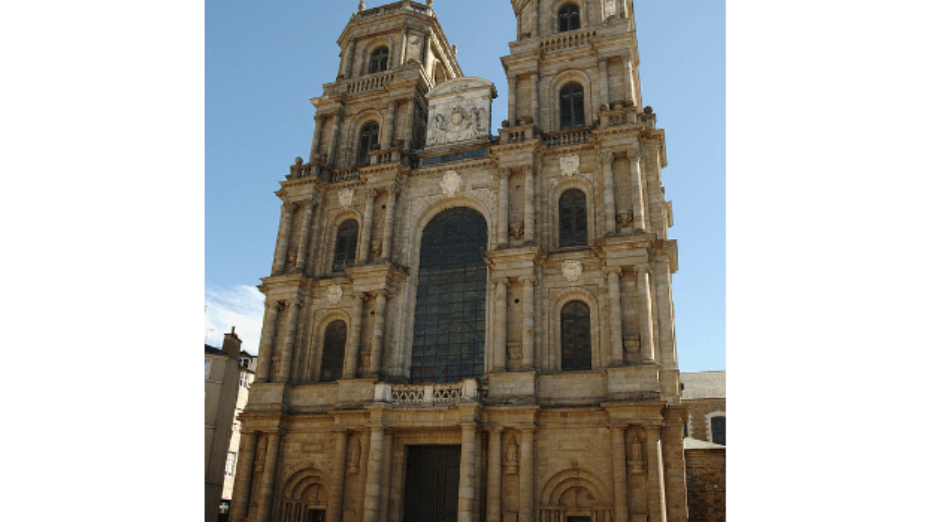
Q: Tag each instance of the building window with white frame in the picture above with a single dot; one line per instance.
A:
(207, 376)
(243, 380)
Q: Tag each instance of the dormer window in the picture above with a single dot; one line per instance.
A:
(569, 18)
(378, 60)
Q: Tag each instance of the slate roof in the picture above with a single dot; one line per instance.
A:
(704, 385)
(691, 443)
(213, 351)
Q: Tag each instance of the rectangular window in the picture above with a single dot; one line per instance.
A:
(207, 369)
(718, 427)
(243, 380)
(230, 464)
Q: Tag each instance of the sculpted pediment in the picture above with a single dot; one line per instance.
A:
(459, 110)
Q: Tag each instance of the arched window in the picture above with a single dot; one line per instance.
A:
(572, 106)
(333, 351)
(575, 336)
(346, 240)
(569, 18)
(367, 141)
(448, 334)
(378, 60)
(572, 220)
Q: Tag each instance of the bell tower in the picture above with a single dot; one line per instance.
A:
(391, 56)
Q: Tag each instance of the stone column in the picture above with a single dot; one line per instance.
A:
(427, 53)
(638, 201)
(500, 325)
(268, 330)
(526, 475)
(630, 77)
(511, 99)
(266, 497)
(367, 224)
(645, 314)
(604, 82)
(389, 130)
(403, 44)
(503, 204)
(377, 344)
(287, 357)
(334, 506)
(309, 205)
(410, 115)
(354, 336)
(535, 18)
(349, 60)
(466, 473)
(373, 483)
(665, 320)
(241, 489)
(529, 211)
(336, 126)
(494, 483)
(283, 240)
(609, 196)
(392, 193)
(528, 282)
(656, 497)
(317, 134)
(620, 508)
(675, 481)
(616, 318)
(385, 478)
(535, 97)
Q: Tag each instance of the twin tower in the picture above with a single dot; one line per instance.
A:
(466, 323)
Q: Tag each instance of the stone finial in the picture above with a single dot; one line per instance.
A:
(429, 3)
(298, 161)
(361, 6)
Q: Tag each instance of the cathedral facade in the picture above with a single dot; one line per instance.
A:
(462, 325)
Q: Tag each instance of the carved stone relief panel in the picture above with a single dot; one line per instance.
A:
(459, 110)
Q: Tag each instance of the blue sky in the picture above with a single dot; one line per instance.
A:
(265, 60)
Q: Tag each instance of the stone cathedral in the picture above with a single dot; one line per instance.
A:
(469, 326)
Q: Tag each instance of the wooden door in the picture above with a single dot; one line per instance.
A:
(432, 484)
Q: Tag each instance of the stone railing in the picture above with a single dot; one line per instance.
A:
(517, 134)
(345, 174)
(568, 40)
(369, 83)
(427, 394)
(567, 137)
(392, 8)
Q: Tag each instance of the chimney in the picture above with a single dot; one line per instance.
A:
(232, 345)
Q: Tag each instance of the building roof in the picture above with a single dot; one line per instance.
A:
(691, 443)
(213, 351)
(704, 385)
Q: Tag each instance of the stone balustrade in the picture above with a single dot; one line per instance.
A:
(369, 82)
(567, 40)
(427, 394)
(567, 137)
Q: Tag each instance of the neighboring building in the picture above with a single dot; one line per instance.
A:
(464, 327)
(222, 391)
(247, 364)
(704, 395)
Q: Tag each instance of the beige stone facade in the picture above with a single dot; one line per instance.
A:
(541, 437)
(222, 385)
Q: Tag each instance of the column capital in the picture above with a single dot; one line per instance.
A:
(527, 430)
(468, 424)
(626, 56)
(339, 430)
(376, 428)
(503, 173)
(502, 281)
(634, 154)
(618, 427)
(394, 189)
(641, 268)
(360, 295)
(494, 429)
(311, 201)
(606, 158)
(288, 207)
(381, 292)
(295, 301)
(527, 169)
(528, 280)
(652, 428)
(371, 193)
(280, 305)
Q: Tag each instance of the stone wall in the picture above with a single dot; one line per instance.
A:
(706, 484)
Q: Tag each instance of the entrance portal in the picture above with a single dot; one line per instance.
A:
(432, 484)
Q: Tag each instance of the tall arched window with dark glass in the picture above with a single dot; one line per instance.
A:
(333, 352)
(366, 141)
(569, 18)
(448, 334)
(378, 60)
(346, 241)
(575, 336)
(572, 106)
(572, 219)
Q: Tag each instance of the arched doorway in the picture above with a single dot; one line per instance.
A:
(448, 334)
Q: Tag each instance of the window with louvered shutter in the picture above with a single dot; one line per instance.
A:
(346, 240)
(572, 106)
(575, 336)
(378, 60)
(572, 210)
(569, 18)
(333, 352)
(367, 141)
